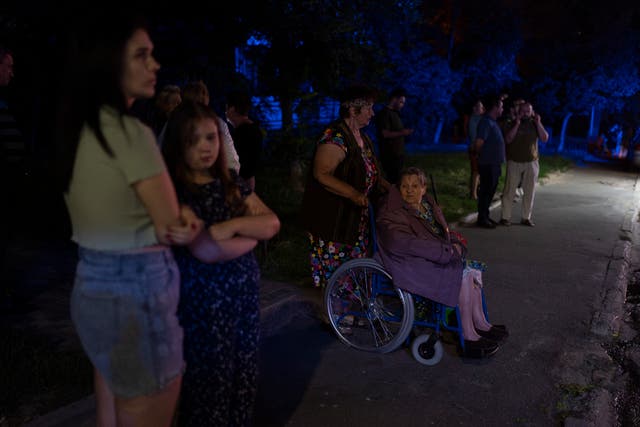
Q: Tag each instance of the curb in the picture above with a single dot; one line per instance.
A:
(300, 302)
(473, 217)
(606, 324)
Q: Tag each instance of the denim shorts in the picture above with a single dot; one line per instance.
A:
(124, 309)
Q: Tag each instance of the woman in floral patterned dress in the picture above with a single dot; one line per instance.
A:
(344, 175)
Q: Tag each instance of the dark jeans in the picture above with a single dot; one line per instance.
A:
(489, 175)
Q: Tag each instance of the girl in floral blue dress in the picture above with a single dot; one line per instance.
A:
(218, 308)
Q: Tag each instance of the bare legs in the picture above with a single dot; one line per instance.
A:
(470, 305)
(105, 402)
(142, 411)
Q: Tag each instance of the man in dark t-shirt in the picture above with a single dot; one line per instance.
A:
(391, 133)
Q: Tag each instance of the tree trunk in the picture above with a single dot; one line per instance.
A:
(436, 137)
(564, 130)
(297, 175)
(286, 107)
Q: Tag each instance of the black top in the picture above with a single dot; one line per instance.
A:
(247, 138)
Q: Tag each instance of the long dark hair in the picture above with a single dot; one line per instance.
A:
(179, 137)
(93, 78)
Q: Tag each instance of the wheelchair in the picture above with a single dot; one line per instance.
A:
(369, 313)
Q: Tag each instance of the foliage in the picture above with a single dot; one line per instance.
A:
(607, 88)
(429, 82)
(484, 56)
(494, 72)
(546, 95)
(398, 31)
(594, 66)
(311, 44)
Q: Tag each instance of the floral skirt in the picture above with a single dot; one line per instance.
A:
(327, 256)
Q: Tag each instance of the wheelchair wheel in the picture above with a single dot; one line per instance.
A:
(427, 349)
(365, 310)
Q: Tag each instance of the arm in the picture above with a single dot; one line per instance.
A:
(396, 236)
(209, 251)
(230, 152)
(542, 132)
(183, 233)
(511, 133)
(458, 242)
(159, 199)
(327, 159)
(482, 133)
(383, 123)
(258, 223)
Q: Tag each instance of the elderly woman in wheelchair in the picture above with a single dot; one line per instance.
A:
(427, 259)
(417, 279)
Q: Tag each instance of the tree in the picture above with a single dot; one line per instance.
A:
(414, 64)
(310, 46)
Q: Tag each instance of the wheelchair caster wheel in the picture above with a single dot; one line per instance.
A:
(427, 349)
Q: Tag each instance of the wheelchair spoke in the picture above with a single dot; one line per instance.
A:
(365, 309)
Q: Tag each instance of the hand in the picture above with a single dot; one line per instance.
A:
(537, 119)
(183, 234)
(359, 199)
(189, 228)
(458, 248)
(222, 231)
(188, 217)
(407, 131)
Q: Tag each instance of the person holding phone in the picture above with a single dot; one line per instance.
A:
(521, 139)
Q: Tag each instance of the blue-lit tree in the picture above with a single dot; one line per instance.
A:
(311, 46)
(607, 87)
(430, 83)
(487, 44)
(413, 63)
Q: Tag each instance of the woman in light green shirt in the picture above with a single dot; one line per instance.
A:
(124, 216)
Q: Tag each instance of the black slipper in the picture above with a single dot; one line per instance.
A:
(496, 333)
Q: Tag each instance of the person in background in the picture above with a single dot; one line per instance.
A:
(166, 101)
(124, 215)
(219, 308)
(506, 122)
(474, 181)
(198, 92)
(344, 175)
(489, 144)
(522, 162)
(415, 243)
(246, 134)
(391, 134)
